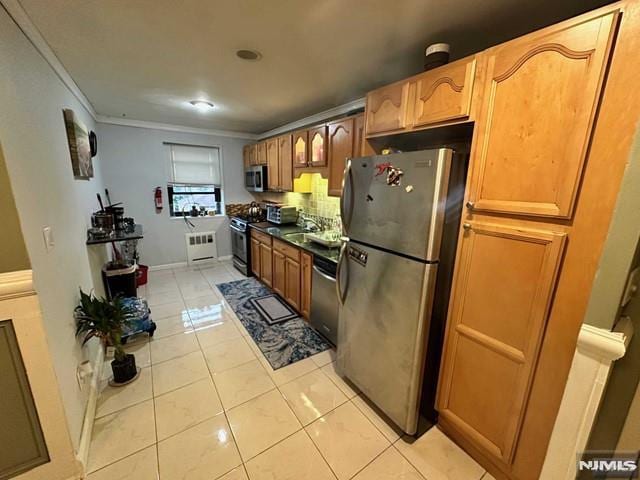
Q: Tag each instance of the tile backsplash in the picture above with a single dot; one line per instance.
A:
(316, 204)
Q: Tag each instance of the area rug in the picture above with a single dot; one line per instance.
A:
(273, 309)
(283, 343)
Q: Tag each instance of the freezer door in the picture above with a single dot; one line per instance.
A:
(405, 218)
(384, 320)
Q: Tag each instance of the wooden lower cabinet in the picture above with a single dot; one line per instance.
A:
(503, 286)
(266, 267)
(255, 257)
(283, 267)
(279, 273)
(306, 261)
(292, 283)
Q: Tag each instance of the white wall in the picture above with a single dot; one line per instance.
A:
(134, 161)
(33, 137)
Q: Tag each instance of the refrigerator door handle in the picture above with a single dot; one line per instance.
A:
(342, 294)
(347, 179)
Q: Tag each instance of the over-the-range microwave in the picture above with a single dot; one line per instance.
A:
(255, 178)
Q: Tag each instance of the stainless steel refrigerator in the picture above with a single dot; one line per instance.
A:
(393, 210)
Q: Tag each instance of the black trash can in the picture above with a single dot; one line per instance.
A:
(119, 280)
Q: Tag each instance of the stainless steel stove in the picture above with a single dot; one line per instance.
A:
(241, 242)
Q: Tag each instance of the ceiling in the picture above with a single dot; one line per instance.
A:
(145, 59)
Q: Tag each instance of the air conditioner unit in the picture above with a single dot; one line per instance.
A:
(201, 247)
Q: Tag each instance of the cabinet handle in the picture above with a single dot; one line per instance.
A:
(470, 205)
(466, 226)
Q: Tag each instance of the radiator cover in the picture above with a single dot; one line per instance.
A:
(201, 246)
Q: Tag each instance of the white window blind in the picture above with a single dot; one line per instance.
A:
(196, 165)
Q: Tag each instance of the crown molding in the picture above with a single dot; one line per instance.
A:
(20, 17)
(605, 344)
(16, 284)
(316, 118)
(127, 122)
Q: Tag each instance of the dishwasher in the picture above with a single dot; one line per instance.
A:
(324, 299)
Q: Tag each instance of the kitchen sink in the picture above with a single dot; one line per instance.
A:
(299, 237)
(326, 239)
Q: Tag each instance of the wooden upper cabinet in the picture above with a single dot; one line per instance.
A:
(318, 146)
(503, 287)
(300, 154)
(341, 144)
(246, 156)
(273, 166)
(539, 103)
(261, 153)
(358, 142)
(253, 154)
(444, 94)
(286, 162)
(386, 108)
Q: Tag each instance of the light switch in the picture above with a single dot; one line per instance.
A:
(49, 242)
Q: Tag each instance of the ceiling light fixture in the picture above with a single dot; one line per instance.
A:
(202, 105)
(251, 55)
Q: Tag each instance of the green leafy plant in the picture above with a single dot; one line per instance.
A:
(104, 319)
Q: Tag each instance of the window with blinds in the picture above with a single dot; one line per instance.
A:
(195, 187)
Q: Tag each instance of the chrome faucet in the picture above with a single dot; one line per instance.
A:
(314, 223)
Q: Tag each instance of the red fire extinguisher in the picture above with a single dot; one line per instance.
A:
(158, 199)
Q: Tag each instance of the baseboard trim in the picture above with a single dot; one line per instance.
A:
(90, 412)
(596, 351)
(167, 266)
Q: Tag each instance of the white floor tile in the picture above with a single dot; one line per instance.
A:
(163, 298)
(112, 399)
(437, 458)
(179, 372)
(239, 384)
(203, 452)
(389, 466)
(261, 423)
(343, 384)
(312, 395)
(228, 354)
(347, 440)
(290, 372)
(295, 458)
(235, 474)
(379, 419)
(172, 326)
(183, 408)
(217, 333)
(171, 309)
(167, 348)
(142, 465)
(323, 358)
(120, 434)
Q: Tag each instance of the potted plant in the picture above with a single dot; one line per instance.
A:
(104, 319)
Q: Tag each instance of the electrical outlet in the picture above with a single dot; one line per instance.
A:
(83, 371)
(49, 241)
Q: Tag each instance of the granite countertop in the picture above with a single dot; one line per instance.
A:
(281, 232)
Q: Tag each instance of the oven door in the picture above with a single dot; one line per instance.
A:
(249, 180)
(259, 179)
(239, 244)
